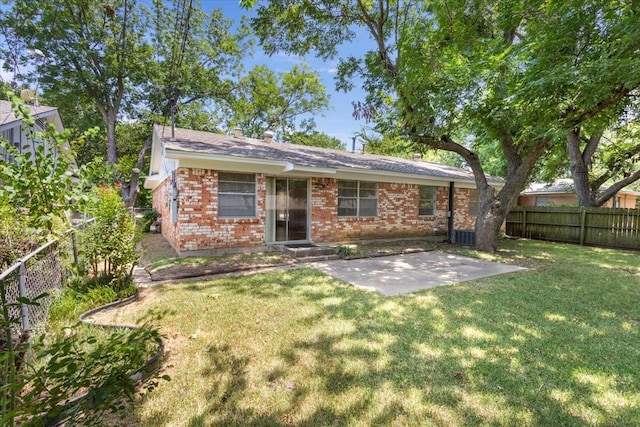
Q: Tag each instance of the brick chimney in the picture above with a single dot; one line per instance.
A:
(417, 157)
(237, 132)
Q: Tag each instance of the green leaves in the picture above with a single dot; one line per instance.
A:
(283, 103)
(39, 182)
(109, 242)
(79, 363)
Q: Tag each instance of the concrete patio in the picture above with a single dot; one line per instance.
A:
(401, 274)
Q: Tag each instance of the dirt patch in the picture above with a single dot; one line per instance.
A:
(154, 248)
(226, 264)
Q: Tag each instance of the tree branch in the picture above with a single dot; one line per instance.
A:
(611, 191)
(619, 94)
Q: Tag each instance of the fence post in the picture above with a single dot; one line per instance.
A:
(524, 223)
(24, 309)
(583, 220)
(74, 245)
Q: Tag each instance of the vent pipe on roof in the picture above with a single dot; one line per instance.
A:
(268, 137)
(237, 132)
(364, 147)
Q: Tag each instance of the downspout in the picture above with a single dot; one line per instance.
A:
(450, 213)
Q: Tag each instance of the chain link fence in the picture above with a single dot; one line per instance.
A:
(36, 277)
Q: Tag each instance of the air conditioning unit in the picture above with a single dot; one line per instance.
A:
(464, 237)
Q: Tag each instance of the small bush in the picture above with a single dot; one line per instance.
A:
(148, 218)
(80, 296)
(344, 251)
(16, 238)
(109, 243)
(69, 366)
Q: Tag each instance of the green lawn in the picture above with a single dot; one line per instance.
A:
(555, 345)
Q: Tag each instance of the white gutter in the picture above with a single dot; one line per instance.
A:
(182, 155)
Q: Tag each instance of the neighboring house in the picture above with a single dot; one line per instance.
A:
(562, 193)
(11, 126)
(222, 192)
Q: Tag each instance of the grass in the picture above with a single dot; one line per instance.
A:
(78, 297)
(554, 345)
(271, 258)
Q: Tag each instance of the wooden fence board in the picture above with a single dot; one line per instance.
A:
(619, 228)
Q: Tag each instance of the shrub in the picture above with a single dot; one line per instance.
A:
(109, 243)
(16, 237)
(344, 251)
(71, 365)
(148, 218)
(39, 184)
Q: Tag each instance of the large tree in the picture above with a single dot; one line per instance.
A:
(460, 75)
(283, 103)
(598, 159)
(92, 50)
(121, 57)
(315, 139)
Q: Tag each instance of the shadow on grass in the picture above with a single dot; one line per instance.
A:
(553, 346)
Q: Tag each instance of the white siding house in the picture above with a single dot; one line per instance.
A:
(11, 126)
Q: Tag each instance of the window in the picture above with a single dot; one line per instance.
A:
(473, 202)
(616, 202)
(236, 195)
(543, 201)
(427, 203)
(356, 198)
(7, 135)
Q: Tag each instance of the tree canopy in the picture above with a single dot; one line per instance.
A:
(128, 60)
(265, 101)
(462, 76)
(315, 139)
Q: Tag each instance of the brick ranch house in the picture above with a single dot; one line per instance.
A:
(226, 193)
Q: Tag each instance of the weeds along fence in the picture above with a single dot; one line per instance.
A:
(43, 271)
(608, 227)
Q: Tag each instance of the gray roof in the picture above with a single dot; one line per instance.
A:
(563, 186)
(7, 115)
(192, 141)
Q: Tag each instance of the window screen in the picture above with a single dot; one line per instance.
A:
(236, 195)
(427, 203)
(356, 198)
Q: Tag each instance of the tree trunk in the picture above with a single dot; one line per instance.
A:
(488, 228)
(492, 212)
(112, 151)
(129, 190)
(579, 169)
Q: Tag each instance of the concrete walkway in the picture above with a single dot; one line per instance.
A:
(401, 274)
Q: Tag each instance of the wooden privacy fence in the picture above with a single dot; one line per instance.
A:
(618, 228)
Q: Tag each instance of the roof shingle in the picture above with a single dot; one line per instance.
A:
(186, 140)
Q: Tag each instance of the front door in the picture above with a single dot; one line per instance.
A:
(290, 210)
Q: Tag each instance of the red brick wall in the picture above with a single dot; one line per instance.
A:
(461, 218)
(160, 202)
(199, 228)
(397, 214)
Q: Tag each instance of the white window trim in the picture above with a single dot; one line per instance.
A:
(435, 200)
(254, 194)
(358, 198)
